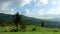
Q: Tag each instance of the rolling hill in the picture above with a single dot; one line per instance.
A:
(30, 20)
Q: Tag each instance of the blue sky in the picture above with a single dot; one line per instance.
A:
(43, 9)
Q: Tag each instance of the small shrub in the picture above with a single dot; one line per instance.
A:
(34, 29)
(23, 28)
(13, 30)
(55, 30)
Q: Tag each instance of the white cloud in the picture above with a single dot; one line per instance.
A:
(27, 11)
(54, 11)
(8, 11)
(24, 2)
(35, 0)
(45, 17)
(54, 2)
(58, 2)
(50, 14)
(41, 2)
(44, 2)
(42, 14)
(4, 6)
(38, 14)
(21, 3)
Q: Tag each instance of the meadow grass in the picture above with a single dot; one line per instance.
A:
(30, 27)
(29, 32)
(39, 30)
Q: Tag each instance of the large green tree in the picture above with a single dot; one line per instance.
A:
(18, 20)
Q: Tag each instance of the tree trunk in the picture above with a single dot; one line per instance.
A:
(16, 27)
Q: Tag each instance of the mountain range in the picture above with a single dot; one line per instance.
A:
(30, 20)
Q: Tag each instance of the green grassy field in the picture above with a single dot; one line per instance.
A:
(29, 32)
(39, 30)
(30, 27)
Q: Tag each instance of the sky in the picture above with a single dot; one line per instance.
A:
(43, 9)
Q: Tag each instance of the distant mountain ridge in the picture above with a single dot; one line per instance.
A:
(30, 20)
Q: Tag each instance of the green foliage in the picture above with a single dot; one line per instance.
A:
(23, 28)
(18, 20)
(42, 25)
